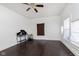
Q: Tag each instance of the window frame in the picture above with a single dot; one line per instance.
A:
(69, 40)
(73, 42)
(69, 28)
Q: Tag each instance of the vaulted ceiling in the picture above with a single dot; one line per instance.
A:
(49, 9)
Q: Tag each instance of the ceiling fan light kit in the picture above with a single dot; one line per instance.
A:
(33, 5)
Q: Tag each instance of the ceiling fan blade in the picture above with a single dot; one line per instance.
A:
(26, 3)
(35, 10)
(39, 5)
(28, 9)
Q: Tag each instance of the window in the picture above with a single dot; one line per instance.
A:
(67, 28)
(71, 31)
(75, 32)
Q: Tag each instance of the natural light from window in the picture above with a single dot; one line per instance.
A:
(66, 28)
(75, 32)
(71, 31)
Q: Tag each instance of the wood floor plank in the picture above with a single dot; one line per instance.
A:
(38, 48)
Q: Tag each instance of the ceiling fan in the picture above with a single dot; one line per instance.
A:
(33, 5)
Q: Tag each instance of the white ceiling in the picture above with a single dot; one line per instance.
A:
(49, 9)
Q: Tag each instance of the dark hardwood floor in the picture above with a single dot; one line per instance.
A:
(38, 48)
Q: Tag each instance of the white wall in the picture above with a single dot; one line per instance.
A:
(72, 11)
(10, 24)
(52, 27)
